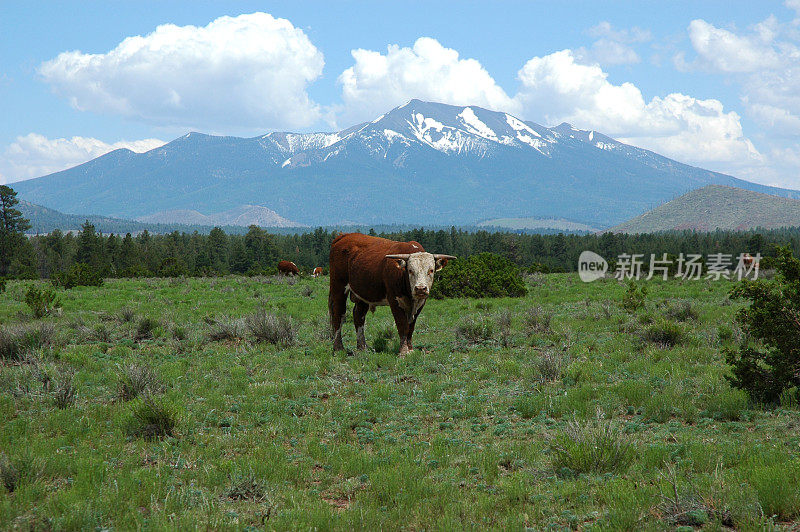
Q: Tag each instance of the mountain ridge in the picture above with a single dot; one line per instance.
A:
(420, 163)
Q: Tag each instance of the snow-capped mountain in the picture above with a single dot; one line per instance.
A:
(422, 162)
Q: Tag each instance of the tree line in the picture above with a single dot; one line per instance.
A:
(258, 251)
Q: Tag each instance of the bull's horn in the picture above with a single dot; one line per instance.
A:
(403, 256)
(438, 256)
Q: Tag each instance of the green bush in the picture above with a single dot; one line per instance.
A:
(42, 301)
(16, 340)
(596, 446)
(769, 367)
(145, 328)
(483, 275)
(272, 329)
(152, 419)
(634, 297)
(136, 380)
(472, 331)
(79, 274)
(664, 334)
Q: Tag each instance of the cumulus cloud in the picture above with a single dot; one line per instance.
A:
(34, 155)
(613, 46)
(720, 50)
(248, 72)
(556, 88)
(379, 81)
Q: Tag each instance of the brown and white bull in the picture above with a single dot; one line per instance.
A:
(286, 267)
(374, 272)
(317, 272)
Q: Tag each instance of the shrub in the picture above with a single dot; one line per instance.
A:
(504, 326)
(136, 380)
(152, 419)
(246, 488)
(538, 320)
(145, 328)
(126, 315)
(551, 365)
(79, 274)
(634, 297)
(471, 330)
(16, 340)
(225, 329)
(382, 341)
(9, 474)
(307, 291)
(483, 275)
(664, 334)
(778, 489)
(681, 311)
(64, 393)
(267, 327)
(529, 405)
(768, 368)
(595, 446)
(41, 301)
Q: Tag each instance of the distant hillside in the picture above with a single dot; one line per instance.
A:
(244, 215)
(44, 220)
(537, 224)
(717, 207)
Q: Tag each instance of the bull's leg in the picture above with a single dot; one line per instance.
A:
(337, 305)
(359, 317)
(401, 321)
(411, 325)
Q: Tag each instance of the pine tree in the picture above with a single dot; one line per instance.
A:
(12, 228)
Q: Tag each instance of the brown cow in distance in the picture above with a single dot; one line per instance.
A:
(317, 272)
(286, 267)
(376, 271)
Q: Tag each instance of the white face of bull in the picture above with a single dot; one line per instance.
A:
(421, 267)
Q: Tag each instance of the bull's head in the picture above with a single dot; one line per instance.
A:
(420, 267)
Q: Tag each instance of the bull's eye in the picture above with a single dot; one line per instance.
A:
(430, 272)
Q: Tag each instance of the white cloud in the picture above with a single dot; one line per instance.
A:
(34, 155)
(613, 46)
(720, 50)
(428, 70)
(245, 72)
(556, 88)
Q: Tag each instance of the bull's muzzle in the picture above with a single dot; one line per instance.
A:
(421, 291)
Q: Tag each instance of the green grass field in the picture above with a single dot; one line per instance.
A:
(555, 411)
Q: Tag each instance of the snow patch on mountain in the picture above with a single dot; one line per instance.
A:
(474, 124)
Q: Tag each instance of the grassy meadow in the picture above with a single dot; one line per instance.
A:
(194, 403)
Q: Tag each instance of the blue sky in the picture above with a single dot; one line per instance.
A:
(715, 84)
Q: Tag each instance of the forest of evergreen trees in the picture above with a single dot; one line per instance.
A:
(258, 251)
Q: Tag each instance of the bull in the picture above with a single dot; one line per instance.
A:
(317, 272)
(286, 267)
(375, 272)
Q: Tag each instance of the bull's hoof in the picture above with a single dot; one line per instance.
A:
(361, 347)
(404, 350)
(338, 347)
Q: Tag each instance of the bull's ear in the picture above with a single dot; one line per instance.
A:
(441, 260)
(401, 259)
